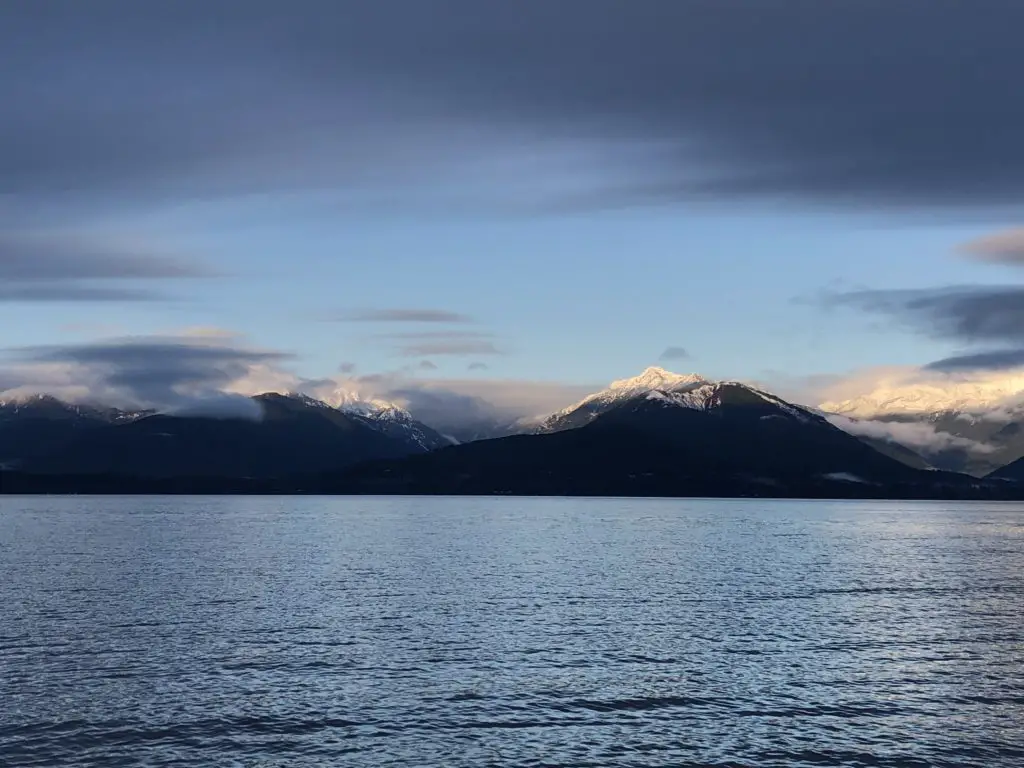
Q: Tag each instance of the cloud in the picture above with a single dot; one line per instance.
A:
(75, 293)
(168, 373)
(871, 393)
(76, 267)
(916, 436)
(972, 313)
(209, 374)
(993, 360)
(427, 365)
(449, 342)
(989, 315)
(685, 100)
(509, 398)
(455, 402)
(446, 409)
(403, 316)
(434, 335)
(1006, 247)
(674, 353)
(453, 348)
(218, 406)
(478, 366)
(347, 368)
(33, 257)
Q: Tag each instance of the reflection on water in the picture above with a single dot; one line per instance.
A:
(469, 632)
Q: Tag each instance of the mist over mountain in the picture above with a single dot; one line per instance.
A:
(962, 426)
(661, 434)
(264, 436)
(658, 432)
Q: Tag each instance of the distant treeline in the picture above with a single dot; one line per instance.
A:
(370, 483)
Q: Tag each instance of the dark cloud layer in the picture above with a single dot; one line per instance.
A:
(39, 258)
(404, 316)
(71, 291)
(78, 268)
(992, 316)
(866, 102)
(152, 371)
(992, 360)
(674, 353)
(967, 314)
(455, 348)
(448, 335)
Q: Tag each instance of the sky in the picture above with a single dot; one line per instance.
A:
(519, 201)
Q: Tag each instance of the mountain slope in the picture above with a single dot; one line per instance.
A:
(1014, 471)
(34, 426)
(747, 430)
(386, 417)
(294, 435)
(612, 461)
(687, 390)
(899, 452)
(653, 379)
(973, 425)
(973, 443)
(700, 438)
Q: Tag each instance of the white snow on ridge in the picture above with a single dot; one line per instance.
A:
(383, 415)
(351, 401)
(20, 402)
(653, 379)
(946, 394)
(655, 384)
(703, 397)
(796, 412)
(699, 398)
(656, 378)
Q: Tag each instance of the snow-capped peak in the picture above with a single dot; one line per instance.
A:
(691, 391)
(352, 401)
(655, 378)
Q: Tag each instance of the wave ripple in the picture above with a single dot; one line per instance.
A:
(510, 632)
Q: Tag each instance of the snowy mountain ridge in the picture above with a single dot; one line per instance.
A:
(38, 403)
(653, 379)
(709, 396)
(380, 415)
(383, 415)
(933, 397)
(352, 401)
(692, 391)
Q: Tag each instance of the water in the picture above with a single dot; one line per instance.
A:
(509, 632)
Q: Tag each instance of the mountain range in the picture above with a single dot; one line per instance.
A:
(659, 433)
(966, 428)
(284, 434)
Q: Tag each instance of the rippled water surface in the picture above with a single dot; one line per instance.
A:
(510, 632)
